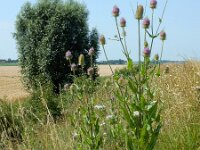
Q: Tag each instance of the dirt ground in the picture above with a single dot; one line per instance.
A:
(11, 87)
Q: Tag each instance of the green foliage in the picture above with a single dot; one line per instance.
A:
(44, 32)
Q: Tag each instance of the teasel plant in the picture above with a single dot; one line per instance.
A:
(139, 110)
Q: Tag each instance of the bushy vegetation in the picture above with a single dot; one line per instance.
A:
(45, 31)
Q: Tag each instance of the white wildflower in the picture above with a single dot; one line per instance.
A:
(99, 106)
(102, 124)
(109, 117)
(74, 135)
(136, 113)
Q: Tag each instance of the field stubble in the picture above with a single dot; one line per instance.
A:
(11, 86)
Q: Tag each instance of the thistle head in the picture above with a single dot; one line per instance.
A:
(81, 60)
(163, 35)
(139, 12)
(115, 11)
(90, 71)
(146, 23)
(153, 4)
(68, 55)
(122, 22)
(146, 52)
(102, 40)
(91, 51)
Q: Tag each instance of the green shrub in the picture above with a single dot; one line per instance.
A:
(44, 32)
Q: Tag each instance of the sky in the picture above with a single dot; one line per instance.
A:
(181, 23)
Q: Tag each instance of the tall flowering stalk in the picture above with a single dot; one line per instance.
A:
(138, 108)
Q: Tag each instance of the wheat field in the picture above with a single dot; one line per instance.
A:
(11, 87)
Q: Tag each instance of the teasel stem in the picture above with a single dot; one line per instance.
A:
(125, 43)
(107, 59)
(139, 57)
(120, 39)
(91, 61)
(145, 35)
(152, 33)
(70, 65)
(161, 55)
(161, 17)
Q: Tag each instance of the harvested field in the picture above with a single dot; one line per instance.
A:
(104, 70)
(10, 84)
(12, 88)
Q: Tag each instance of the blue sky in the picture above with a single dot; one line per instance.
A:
(181, 22)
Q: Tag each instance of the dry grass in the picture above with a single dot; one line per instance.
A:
(179, 92)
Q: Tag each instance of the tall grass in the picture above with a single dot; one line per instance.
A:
(177, 89)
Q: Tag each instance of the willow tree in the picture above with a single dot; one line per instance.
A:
(44, 32)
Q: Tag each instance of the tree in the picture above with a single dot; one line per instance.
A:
(44, 32)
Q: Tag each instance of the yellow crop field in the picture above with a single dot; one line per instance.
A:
(11, 87)
(10, 83)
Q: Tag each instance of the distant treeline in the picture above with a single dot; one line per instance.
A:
(8, 61)
(113, 62)
(122, 62)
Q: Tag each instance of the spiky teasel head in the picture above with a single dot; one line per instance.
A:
(146, 23)
(163, 35)
(146, 52)
(139, 12)
(81, 60)
(146, 44)
(156, 57)
(123, 22)
(153, 4)
(91, 51)
(115, 11)
(68, 55)
(73, 67)
(90, 71)
(102, 40)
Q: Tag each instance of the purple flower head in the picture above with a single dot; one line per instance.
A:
(90, 71)
(163, 35)
(146, 23)
(123, 22)
(115, 11)
(68, 55)
(102, 40)
(146, 52)
(73, 67)
(91, 51)
(153, 4)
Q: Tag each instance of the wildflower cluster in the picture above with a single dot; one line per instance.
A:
(138, 107)
(81, 62)
(132, 119)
